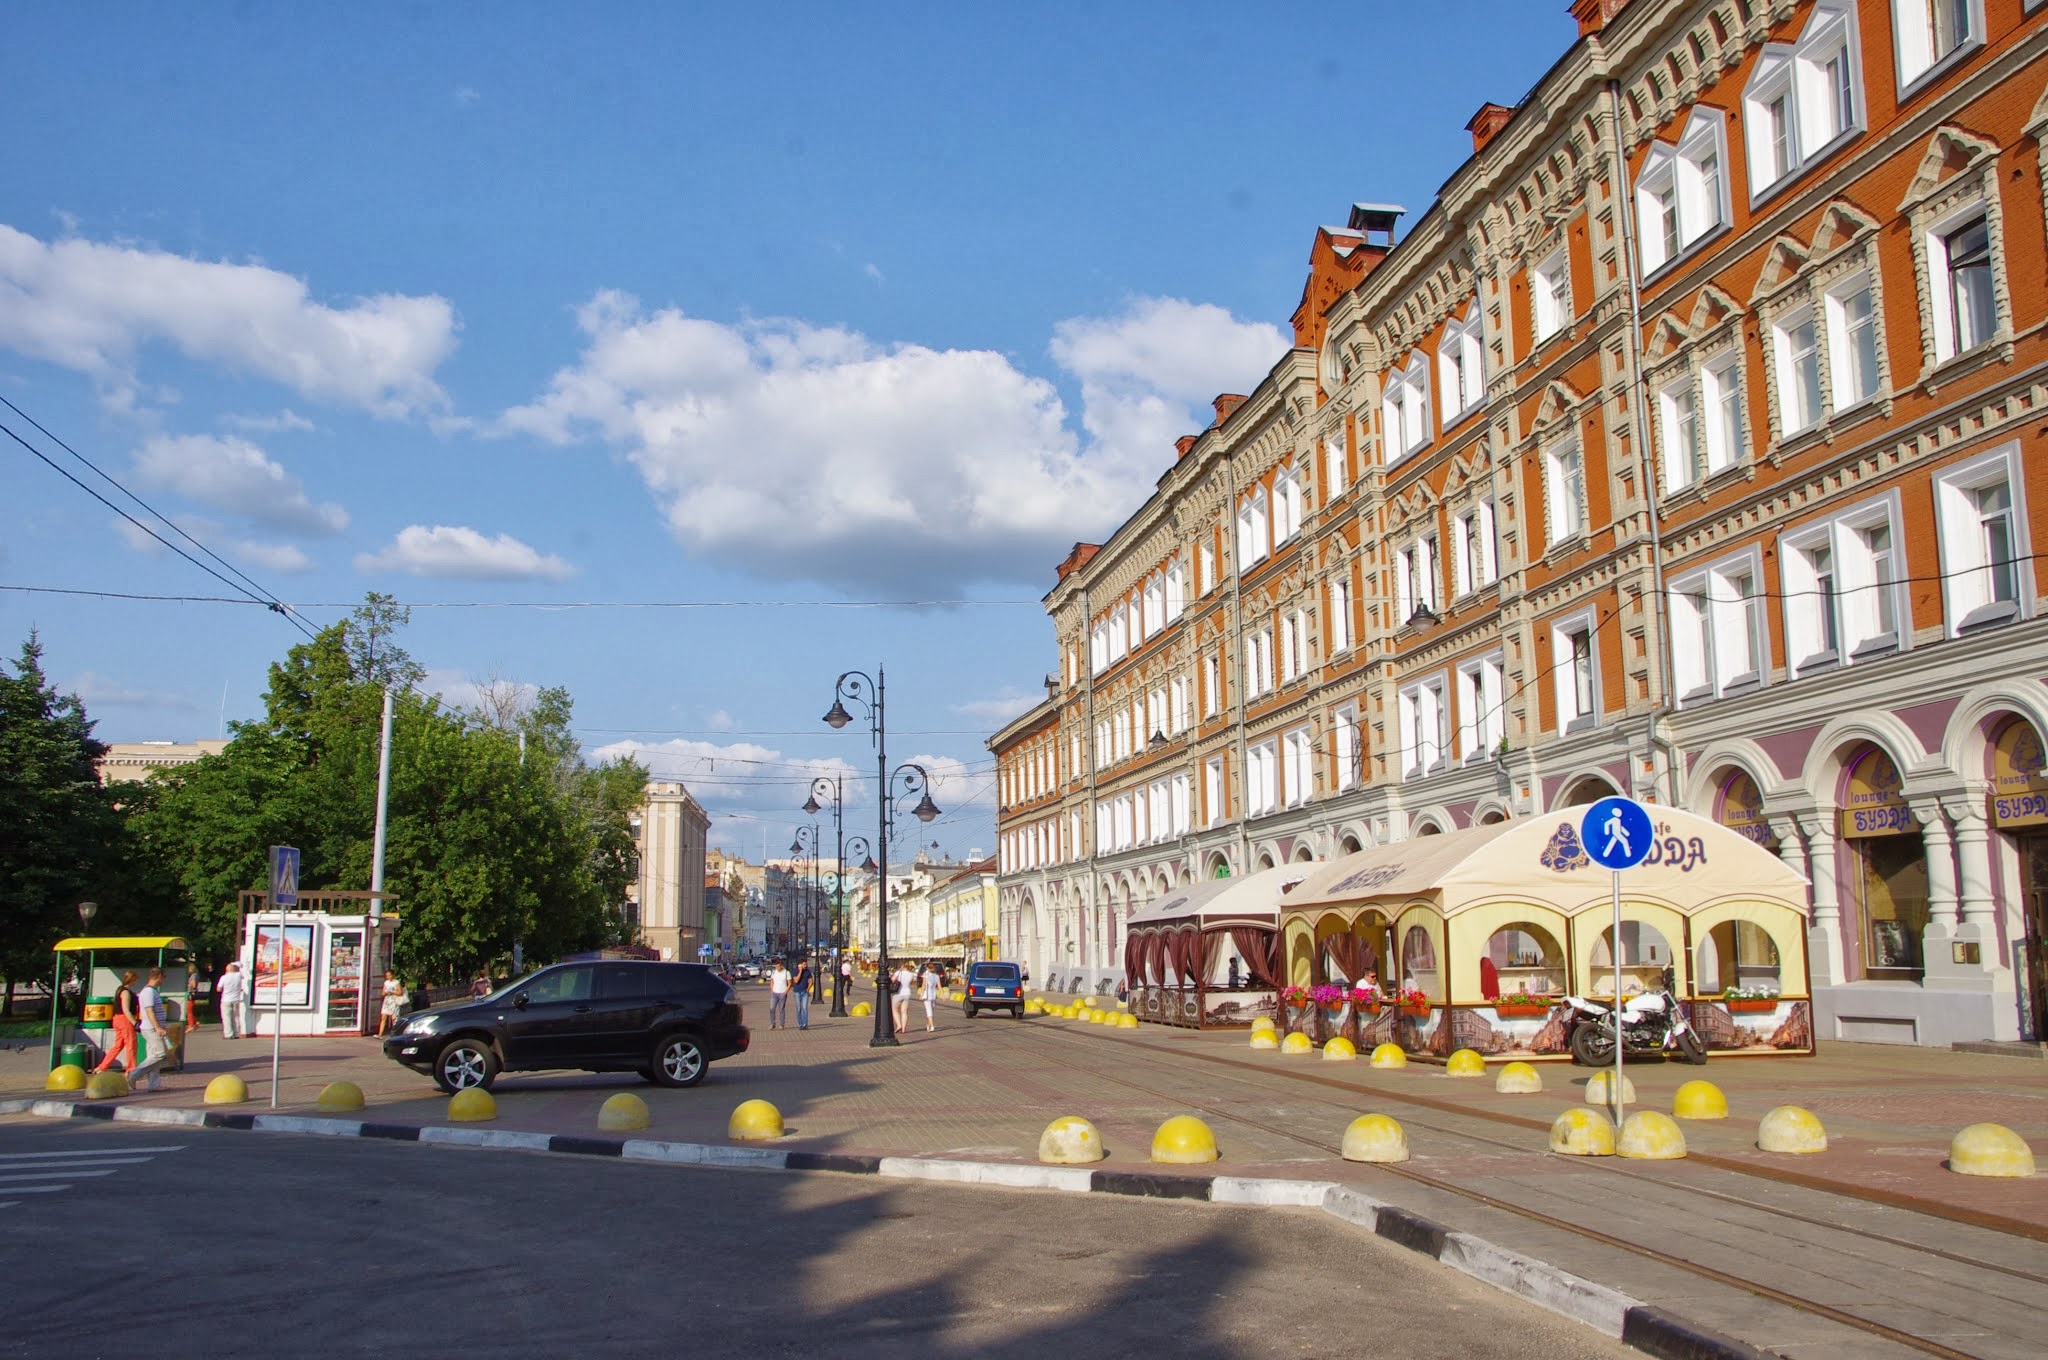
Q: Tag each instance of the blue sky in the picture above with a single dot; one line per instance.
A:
(786, 314)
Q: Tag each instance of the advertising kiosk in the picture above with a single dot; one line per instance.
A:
(104, 958)
(327, 956)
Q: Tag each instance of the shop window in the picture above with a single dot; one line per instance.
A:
(1525, 958)
(1736, 954)
(1645, 954)
(1891, 881)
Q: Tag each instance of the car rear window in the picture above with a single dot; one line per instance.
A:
(993, 972)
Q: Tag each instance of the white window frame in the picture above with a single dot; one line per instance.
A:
(1180, 707)
(1969, 594)
(1286, 505)
(1856, 602)
(1345, 747)
(1258, 662)
(1297, 778)
(1415, 579)
(1475, 564)
(1261, 778)
(1461, 366)
(1155, 604)
(1215, 796)
(1842, 351)
(1205, 566)
(1482, 706)
(1915, 33)
(1423, 714)
(1942, 319)
(1550, 295)
(1176, 589)
(1564, 490)
(1212, 685)
(1564, 667)
(1253, 529)
(1404, 410)
(1820, 113)
(1119, 632)
(1682, 191)
(1337, 622)
(1336, 464)
(1709, 609)
(1794, 394)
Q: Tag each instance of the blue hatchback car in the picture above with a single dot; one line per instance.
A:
(994, 986)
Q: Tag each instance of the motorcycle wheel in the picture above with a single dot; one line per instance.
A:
(1691, 1048)
(1593, 1046)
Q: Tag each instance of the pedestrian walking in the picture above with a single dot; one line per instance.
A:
(843, 984)
(802, 983)
(481, 988)
(931, 994)
(231, 995)
(392, 1010)
(902, 981)
(147, 1075)
(778, 996)
(126, 1021)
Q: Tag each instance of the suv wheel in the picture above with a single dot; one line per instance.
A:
(465, 1064)
(972, 1010)
(679, 1061)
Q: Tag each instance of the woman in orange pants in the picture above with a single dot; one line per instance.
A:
(126, 1018)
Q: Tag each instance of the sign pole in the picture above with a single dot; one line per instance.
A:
(283, 894)
(1619, 1044)
(277, 1012)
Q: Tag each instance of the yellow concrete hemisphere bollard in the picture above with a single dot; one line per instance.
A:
(754, 1119)
(1699, 1100)
(623, 1113)
(1791, 1129)
(65, 1077)
(1375, 1138)
(1069, 1140)
(1518, 1079)
(1990, 1150)
(1034, 1007)
(473, 1105)
(1600, 1088)
(1265, 1040)
(1264, 1022)
(1648, 1136)
(339, 1097)
(1389, 1055)
(1183, 1139)
(1466, 1062)
(1340, 1049)
(1088, 1002)
(1127, 1021)
(862, 1008)
(104, 1085)
(1582, 1133)
(227, 1089)
(1297, 1044)
(1098, 1017)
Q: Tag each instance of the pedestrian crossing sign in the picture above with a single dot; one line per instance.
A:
(284, 875)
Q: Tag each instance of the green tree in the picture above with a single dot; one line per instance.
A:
(60, 834)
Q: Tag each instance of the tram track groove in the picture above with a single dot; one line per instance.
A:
(1595, 1165)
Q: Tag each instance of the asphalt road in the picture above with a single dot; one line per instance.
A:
(124, 1241)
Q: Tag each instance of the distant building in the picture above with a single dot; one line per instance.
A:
(667, 905)
(964, 913)
(128, 762)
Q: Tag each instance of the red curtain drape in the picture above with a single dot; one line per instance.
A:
(1133, 958)
(1155, 957)
(1205, 953)
(1260, 949)
(1352, 955)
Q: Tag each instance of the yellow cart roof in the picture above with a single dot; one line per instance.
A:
(81, 943)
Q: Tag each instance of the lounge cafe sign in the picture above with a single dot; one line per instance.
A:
(1874, 803)
(2019, 777)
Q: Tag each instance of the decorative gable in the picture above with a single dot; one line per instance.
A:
(1782, 263)
(1712, 308)
(1560, 399)
(1840, 223)
(1667, 337)
(1950, 152)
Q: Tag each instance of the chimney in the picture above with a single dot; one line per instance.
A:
(1186, 442)
(1594, 14)
(1490, 119)
(1226, 405)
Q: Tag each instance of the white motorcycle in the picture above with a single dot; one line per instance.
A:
(1652, 1023)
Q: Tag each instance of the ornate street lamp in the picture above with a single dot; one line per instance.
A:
(86, 911)
(824, 786)
(911, 778)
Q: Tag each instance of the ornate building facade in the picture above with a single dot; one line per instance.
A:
(1688, 446)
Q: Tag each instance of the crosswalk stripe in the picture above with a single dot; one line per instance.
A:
(89, 1152)
(36, 1189)
(58, 1166)
(45, 1175)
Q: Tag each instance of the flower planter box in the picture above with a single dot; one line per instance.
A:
(1513, 1011)
(1418, 1012)
(1753, 1005)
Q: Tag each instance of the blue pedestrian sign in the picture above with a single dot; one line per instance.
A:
(284, 875)
(1616, 833)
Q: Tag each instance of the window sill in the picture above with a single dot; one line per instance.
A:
(1948, 61)
(1585, 722)
(1819, 661)
(1741, 685)
(1664, 268)
(1759, 196)
(1884, 644)
(1997, 349)
(1988, 616)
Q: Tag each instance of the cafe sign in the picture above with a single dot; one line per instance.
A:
(1742, 810)
(1874, 802)
(2019, 777)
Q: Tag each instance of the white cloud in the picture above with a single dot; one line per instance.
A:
(914, 470)
(233, 474)
(92, 306)
(286, 419)
(873, 271)
(288, 557)
(453, 552)
(98, 691)
(736, 777)
(465, 95)
(999, 709)
(457, 690)
(718, 720)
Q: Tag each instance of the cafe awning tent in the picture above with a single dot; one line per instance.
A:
(1179, 938)
(1428, 909)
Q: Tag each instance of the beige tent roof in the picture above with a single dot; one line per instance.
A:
(1211, 901)
(1695, 863)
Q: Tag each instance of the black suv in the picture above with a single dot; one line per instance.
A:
(667, 1021)
(994, 986)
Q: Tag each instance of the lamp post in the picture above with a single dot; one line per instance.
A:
(822, 786)
(86, 911)
(855, 685)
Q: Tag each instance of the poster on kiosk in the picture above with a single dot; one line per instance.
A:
(327, 955)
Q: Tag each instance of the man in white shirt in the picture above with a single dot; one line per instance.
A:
(843, 985)
(778, 995)
(231, 996)
(155, 1037)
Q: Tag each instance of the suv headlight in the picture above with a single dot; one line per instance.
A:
(420, 1024)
